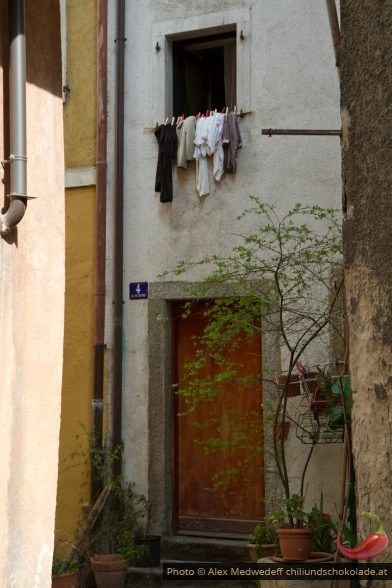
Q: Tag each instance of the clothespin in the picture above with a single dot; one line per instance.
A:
(227, 109)
(207, 112)
(223, 110)
(173, 119)
(178, 120)
(167, 120)
(182, 116)
(235, 110)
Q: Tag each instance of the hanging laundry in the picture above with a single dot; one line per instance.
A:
(186, 141)
(166, 136)
(231, 142)
(214, 144)
(201, 137)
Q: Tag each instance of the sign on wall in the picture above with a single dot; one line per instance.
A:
(138, 290)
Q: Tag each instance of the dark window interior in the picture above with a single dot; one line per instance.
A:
(199, 69)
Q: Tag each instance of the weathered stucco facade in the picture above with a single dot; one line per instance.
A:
(366, 118)
(79, 28)
(32, 312)
(286, 77)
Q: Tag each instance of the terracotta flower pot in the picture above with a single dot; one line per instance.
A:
(318, 403)
(294, 387)
(66, 580)
(109, 570)
(295, 544)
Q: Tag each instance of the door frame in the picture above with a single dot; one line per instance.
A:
(160, 406)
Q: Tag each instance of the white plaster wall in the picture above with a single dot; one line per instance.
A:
(293, 83)
(31, 343)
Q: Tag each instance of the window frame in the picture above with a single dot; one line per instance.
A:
(165, 32)
(201, 44)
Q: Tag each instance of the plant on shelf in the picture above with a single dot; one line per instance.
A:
(294, 386)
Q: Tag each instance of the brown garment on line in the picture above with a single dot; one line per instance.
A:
(166, 136)
(232, 140)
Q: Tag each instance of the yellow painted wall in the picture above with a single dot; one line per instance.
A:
(79, 135)
(79, 110)
(73, 485)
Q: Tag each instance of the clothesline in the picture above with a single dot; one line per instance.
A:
(196, 139)
(173, 120)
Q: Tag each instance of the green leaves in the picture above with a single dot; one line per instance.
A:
(281, 273)
(284, 276)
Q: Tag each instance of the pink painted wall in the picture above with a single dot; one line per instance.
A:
(31, 315)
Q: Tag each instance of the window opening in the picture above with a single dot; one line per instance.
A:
(204, 74)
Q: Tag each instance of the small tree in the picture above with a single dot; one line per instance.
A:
(284, 277)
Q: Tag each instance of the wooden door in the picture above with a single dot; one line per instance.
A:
(219, 484)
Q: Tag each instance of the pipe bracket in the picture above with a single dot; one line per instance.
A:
(17, 195)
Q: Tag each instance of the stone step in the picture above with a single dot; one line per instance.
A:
(181, 547)
(152, 578)
(189, 549)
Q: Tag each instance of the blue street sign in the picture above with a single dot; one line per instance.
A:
(138, 290)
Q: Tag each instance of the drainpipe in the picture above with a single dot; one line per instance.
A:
(335, 30)
(100, 247)
(17, 111)
(118, 232)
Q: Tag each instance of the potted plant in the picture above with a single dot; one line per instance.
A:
(105, 540)
(295, 539)
(106, 537)
(321, 394)
(114, 537)
(263, 540)
(65, 574)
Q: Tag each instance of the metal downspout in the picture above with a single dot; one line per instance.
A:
(118, 232)
(335, 30)
(100, 247)
(17, 100)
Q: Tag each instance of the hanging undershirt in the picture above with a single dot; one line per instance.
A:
(186, 141)
(167, 151)
(201, 137)
(214, 143)
(231, 142)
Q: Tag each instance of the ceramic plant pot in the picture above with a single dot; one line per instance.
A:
(110, 571)
(295, 544)
(66, 580)
(294, 387)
